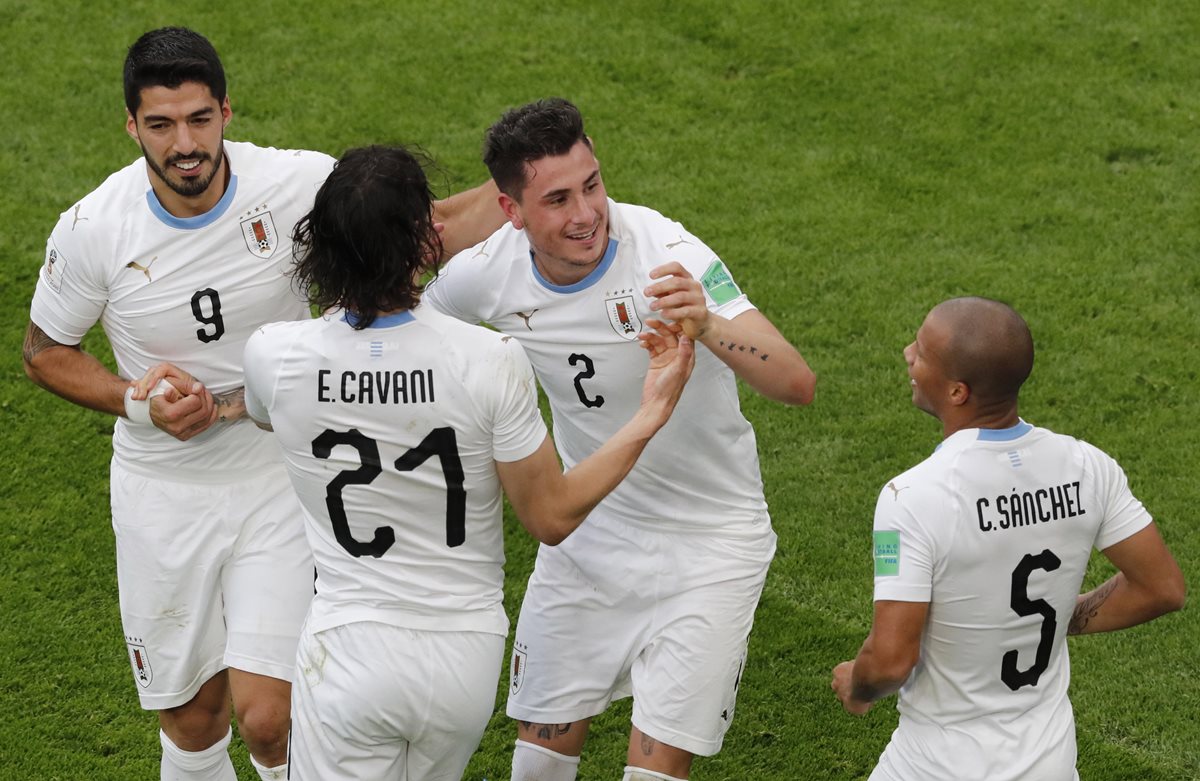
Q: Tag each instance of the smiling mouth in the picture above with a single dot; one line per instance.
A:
(583, 236)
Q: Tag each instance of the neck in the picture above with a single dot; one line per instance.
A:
(562, 272)
(1006, 417)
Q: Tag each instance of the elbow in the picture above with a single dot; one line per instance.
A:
(801, 390)
(1174, 596)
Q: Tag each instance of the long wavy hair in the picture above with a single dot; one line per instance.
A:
(369, 236)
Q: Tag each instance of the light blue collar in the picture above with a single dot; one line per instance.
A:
(384, 321)
(200, 220)
(1005, 434)
(593, 276)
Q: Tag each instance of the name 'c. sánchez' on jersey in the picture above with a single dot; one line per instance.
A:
(376, 387)
(1028, 508)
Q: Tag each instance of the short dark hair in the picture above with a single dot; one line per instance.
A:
(369, 235)
(168, 57)
(990, 348)
(544, 128)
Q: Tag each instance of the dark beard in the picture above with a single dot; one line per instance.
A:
(189, 188)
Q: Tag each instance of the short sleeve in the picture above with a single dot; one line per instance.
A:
(903, 550)
(518, 428)
(1124, 514)
(259, 377)
(68, 299)
(721, 292)
(455, 290)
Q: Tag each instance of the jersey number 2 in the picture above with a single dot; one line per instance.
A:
(589, 371)
(1022, 605)
(440, 442)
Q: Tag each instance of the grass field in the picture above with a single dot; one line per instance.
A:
(853, 162)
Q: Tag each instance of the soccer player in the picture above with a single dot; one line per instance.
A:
(655, 595)
(980, 551)
(399, 425)
(180, 256)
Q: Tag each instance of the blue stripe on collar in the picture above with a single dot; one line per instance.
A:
(593, 276)
(1005, 434)
(200, 220)
(383, 321)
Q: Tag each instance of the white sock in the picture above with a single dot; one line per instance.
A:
(532, 762)
(211, 764)
(278, 773)
(642, 774)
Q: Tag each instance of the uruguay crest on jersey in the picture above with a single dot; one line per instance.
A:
(623, 317)
(259, 232)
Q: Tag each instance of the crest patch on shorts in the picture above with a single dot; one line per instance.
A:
(139, 659)
(517, 672)
(719, 283)
(887, 553)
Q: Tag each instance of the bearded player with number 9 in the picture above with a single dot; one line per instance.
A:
(180, 256)
(980, 551)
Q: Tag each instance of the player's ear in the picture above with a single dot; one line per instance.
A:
(960, 393)
(512, 210)
(131, 126)
(226, 113)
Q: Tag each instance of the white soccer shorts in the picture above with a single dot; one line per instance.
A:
(374, 701)
(211, 575)
(617, 610)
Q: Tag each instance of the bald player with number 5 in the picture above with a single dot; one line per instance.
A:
(980, 551)
(655, 595)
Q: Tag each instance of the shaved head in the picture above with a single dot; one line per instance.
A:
(989, 347)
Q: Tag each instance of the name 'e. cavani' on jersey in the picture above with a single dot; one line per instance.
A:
(397, 387)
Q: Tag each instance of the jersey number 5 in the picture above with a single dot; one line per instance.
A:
(1022, 605)
(440, 442)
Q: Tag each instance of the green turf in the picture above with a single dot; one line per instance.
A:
(853, 162)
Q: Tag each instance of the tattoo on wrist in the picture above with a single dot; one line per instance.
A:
(227, 400)
(1087, 608)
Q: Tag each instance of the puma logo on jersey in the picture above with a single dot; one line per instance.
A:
(144, 269)
(526, 317)
(896, 491)
(78, 219)
(674, 244)
(482, 253)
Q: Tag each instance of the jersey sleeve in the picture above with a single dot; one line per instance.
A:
(259, 373)
(721, 292)
(457, 289)
(70, 296)
(518, 428)
(904, 551)
(1124, 514)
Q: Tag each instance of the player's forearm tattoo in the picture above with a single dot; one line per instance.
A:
(230, 404)
(648, 744)
(1087, 608)
(36, 341)
(731, 346)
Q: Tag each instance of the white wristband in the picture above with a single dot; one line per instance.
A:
(138, 411)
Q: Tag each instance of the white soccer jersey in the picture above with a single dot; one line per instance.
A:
(187, 291)
(700, 472)
(994, 530)
(390, 435)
